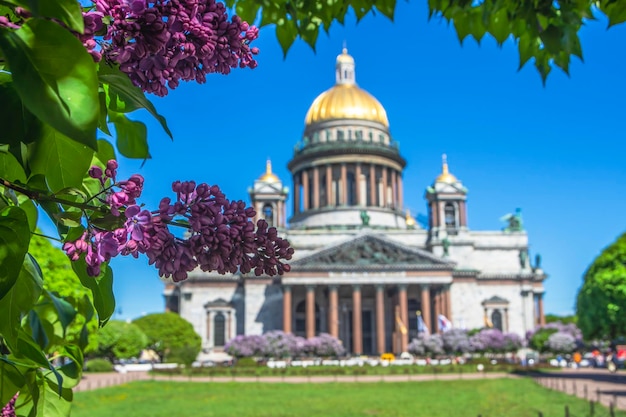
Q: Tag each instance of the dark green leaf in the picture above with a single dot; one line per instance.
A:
(101, 288)
(103, 124)
(132, 137)
(10, 168)
(286, 34)
(64, 162)
(60, 91)
(123, 97)
(20, 298)
(18, 124)
(69, 218)
(14, 239)
(67, 11)
(38, 329)
(11, 379)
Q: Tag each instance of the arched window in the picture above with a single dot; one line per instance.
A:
(268, 214)
(496, 320)
(450, 215)
(219, 329)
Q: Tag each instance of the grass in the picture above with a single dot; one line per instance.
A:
(488, 398)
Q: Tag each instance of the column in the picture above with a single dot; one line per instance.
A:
(316, 187)
(357, 183)
(228, 325)
(329, 185)
(296, 194)
(437, 309)
(404, 313)
(542, 317)
(425, 293)
(383, 200)
(434, 214)
(400, 192)
(372, 185)
(333, 313)
(505, 325)
(305, 190)
(357, 335)
(394, 189)
(344, 185)
(463, 213)
(286, 308)
(448, 300)
(310, 311)
(380, 319)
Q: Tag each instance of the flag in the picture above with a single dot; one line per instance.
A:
(444, 323)
(488, 322)
(401, 326)
(421, 325)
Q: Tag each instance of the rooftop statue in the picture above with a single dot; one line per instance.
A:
(514, 220)
(365, 218)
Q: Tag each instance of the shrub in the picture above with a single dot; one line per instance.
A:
(246, 363)
(98, 365)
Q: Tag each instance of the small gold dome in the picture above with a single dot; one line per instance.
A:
(345, 57)
(410, 220)
(269, 176)
(346, 101)
(445, 175)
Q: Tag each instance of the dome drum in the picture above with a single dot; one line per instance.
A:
(348, 218)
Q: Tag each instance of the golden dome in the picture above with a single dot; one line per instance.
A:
(410, 221)
(346, 101)
(269, 176)
(445, 175)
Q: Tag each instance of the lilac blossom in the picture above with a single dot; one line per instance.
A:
(246, 346)
(456, 341)
(220, 235)
(324, 345)
(561, 342)
(283, 345)
(488, 340)
(426, 345)
(569, 328)
(9, 409)
(417, 347)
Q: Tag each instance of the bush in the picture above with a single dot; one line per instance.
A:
(98, 365)
(246, 363)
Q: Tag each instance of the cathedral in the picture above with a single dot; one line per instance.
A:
(364, 270)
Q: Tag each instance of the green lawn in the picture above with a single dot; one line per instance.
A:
(489, 398)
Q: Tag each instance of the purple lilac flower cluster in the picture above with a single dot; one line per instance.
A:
(561, 342)
(220, 235)
(160, 42)
(569, 328)
(9, 409)
(278, 344)
(458, 341)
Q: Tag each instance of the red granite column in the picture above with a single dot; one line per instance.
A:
(329, 185)
(296, 193)
(448, 296)
(542, 317)
(344, 185)
(286, 308)
(394, 189)
(372, 185)
(463, 213)
(425, 290)
(380, 319)
(305, 190)
(404, 316)
(316, 187)
(310, 311)
(333, 313)
(357, 331)
(384, 201)
(400, 192)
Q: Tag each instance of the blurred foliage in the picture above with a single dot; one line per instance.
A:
(601, 302)
(168, 332)
(120, 340)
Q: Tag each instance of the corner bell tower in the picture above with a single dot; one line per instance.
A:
(268, 197)
(447, 208)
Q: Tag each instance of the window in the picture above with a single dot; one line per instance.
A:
(340, 135)
(316, 137)
(268, 214)
(371, 136)
(496, 320)
(219, 329)
(351, 189)
(328, 135)
(450, 215)
(323, 192)
(359, 135)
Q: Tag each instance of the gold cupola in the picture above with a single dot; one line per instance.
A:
(345, 100)
(269, 176)
(445, 175)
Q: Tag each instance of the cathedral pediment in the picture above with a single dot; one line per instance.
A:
(370, 252)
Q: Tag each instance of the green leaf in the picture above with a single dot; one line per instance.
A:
(59, 90)
(65, 311)
(11, 379)
(67, 11)
(18, 124)
(55, 400)
(38, 329)
(123, 96)
(286, 34)
(103, 123)
(132, 137)
(30, 209)
(14, 239)
(63, 161)
(615, 11)
(106, 151)
(10, 168)
(69, 218)
(101, 288)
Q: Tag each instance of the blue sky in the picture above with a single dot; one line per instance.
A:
(555, 151)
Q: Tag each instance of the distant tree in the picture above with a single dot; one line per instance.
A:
(552, 318)
(601, 302)
(168, 332)
(120, 340)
